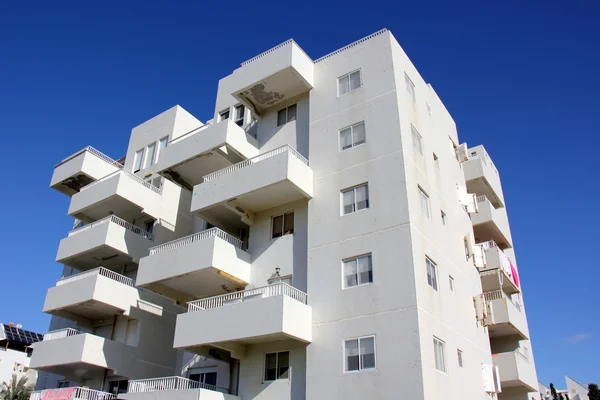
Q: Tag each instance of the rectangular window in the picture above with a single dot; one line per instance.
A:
(417, 140)
(440, 356)
(355, 199)
(359, 353)
(137, 161)
(451, 282)
(209, 378)
(149, 226)
(223, 115)
(358, 271)
(162, 144)
(150, 154)
(283, 225)
(459, 355)
(410, 88)
(352, 136)
(424, 200)
(239, 115)
(431, 273)
(62, 384)
(444, 218)
(349, 82)
(277, 365)
(286, 115)
(118, 387)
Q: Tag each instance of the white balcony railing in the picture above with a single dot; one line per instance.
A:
(168, 383)
(95, 152)
(184, 241)
(195, 130)
(96, 271)
(127, 174)
(254, 160)
(75, 393)
(498, 295)
(61, 333)
(482, 199)
(114, 220)
(278, 289)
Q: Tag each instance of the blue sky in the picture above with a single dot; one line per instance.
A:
(521, 78)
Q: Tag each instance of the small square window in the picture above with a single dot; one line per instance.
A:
(277, 366)
(417, 140)
(286, 115)
(223, 115)
(451, 282)
(425, 206)
(283, 225)
(444, 218)
(439, 349)
(431, 273)
(410, 88)
(355, 199)
(359, 354)
(459, 355)
(358, 271)
(352, 136)
(349, 82)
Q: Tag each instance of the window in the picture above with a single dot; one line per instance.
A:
(417, 140)
(431, 273)
(410, 88)
(277, 365)
(286, 115)
(223, 115)
(209, 378)
(162, 144)
(150, 154)
(440, 356)
(444, 218)
(428, 109)
(117, 387)
(62, 384)
(349, 82)
(459, 355)
(358, 271)
(451, 282)
(355, 199)
(359, 353)
(239, 115)
(424, 200)
(283, 225)
(137, 161)
(352, 136)
(436, 161)
(149, 226)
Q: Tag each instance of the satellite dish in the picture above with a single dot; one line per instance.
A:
(19, 326)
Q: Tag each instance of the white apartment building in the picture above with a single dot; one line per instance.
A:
(15, 353)
(324, 236)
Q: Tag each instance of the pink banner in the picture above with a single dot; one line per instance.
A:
(58, 394)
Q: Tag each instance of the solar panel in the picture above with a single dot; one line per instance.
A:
(22, 336)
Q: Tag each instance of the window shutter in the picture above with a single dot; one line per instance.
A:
(467, 200)
(481, 308)
(488, 378)
(497, 385)
(462, 153)
(478, 256)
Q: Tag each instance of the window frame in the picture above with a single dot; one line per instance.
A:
(225, 110)
(160, 149)
(283, 224)
(358, 284)
(140, 164)
(451, 283)
(242, 119)
(459, 356)
(414, 133)
(423, 195)
(149, 159)
(351, 127)
(434, 278)
(345, 359)
(276, 366)
(442, 345)
(287, 114)
(444, 217)
(353, 188)
(410, 84)
(350, 90)
(63, 383)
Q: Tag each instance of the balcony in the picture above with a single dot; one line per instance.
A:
(207, 149)
(231, 321)
(174, 387)
(274, 76)
(92, 295)
(121, 193)
(499, 273)
(81, 169)
(506, 317)
(204, 264)
(516, 371)
(491, 224)
(72, 393)
(237, 192)
(482, 176)
(110, 242)
(72, 353)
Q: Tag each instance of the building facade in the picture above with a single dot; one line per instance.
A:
(324, 236)
(15, 353)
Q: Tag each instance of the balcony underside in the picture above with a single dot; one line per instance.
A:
(487, 231)
(88, 310)
(482, 187)
(506, 329)
(80, 170)
(102, 256)
(496, 279)
(192, 170)
(113, 204)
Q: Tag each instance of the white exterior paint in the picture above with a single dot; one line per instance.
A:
(13, 362)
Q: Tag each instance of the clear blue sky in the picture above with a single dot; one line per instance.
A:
(522, 78)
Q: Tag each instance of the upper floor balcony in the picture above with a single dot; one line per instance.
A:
(204, 264)
(482, 176)
(205, 150)
(233, 320)
(174, 387)
(235, 193)
(274, 76)
(71, 353)
(81, 169)
(72, 393)
(516, 371)
(121, 193)
(110, 242)
(505, 316)
(491, 223)
(92, 295)
(499, 272)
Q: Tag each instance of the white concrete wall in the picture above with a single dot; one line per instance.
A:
(10, 360)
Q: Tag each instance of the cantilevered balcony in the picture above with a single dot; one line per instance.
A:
(499, 273)
(72, 393)
(70, 353)
(491, 224)
(274, 76)
(505, 316)
(204, 264)
(121, 193)
(235, 193)
(110, 242)
(81, 169)
(231, 321)
(482, 176)
(516, 371)
(207, 149)
(92, 295)
(174, 387)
